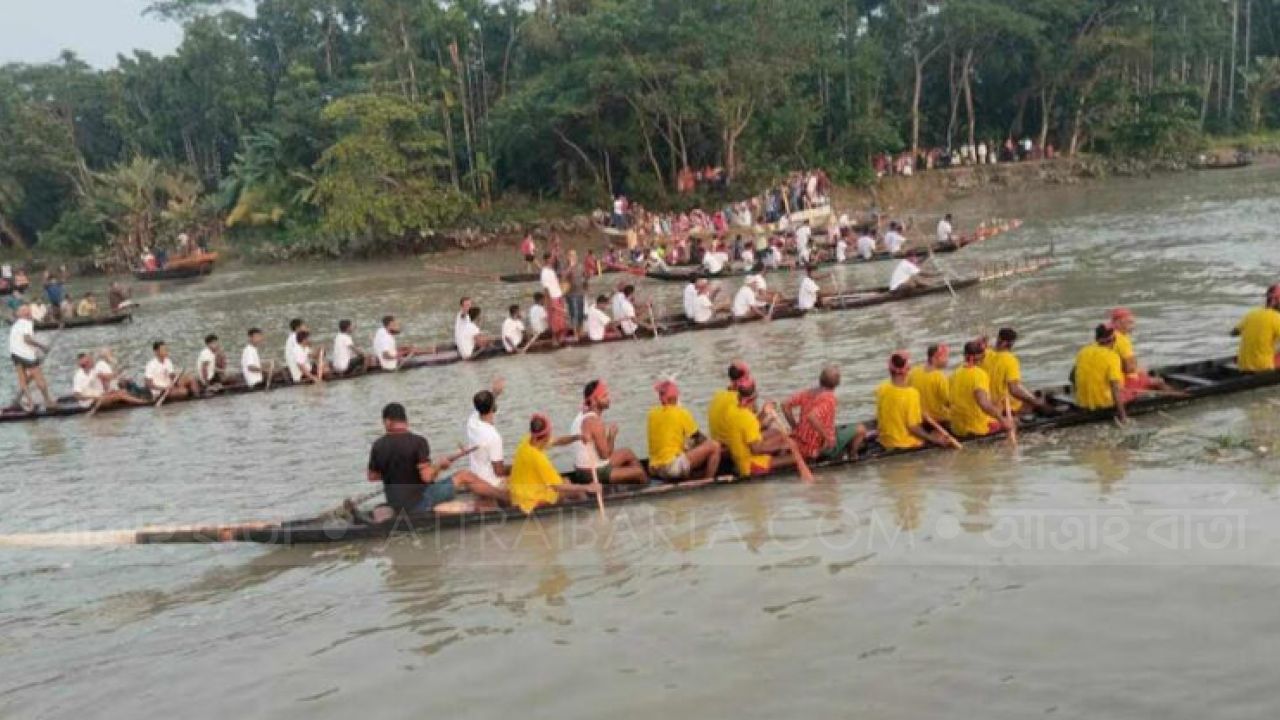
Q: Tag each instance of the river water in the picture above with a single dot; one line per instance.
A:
(1122, 573)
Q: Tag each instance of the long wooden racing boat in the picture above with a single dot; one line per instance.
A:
(447, 354)
(1198, 380)
(83, 322)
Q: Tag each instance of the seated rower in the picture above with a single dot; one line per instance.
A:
(487, 460)
(812, 417)
(162, 380)
(907, 275)
(384, 344)
(211, 364)
(894, 241)
(1098, 376)
(94, 384)
(973, 412)
(899, 415)
(753, 451)
(624, 311)
(539, 323)
(534, 481)
(347, 358)
(690, 298)
(251, 370)
(598, 323)
(468, 337)
(296, 326)
(597, 446)
(677, 449)
(932, 383)
(1136, 380)
(301, 368)
(867, 244)
(704, 305)
(401, 461)
(726, 399)
(513, 330)
(810, 293)
(1259, 332)
(1005, 372)
(118, 297)
(715, 261)
(748, 303)
(87, 307)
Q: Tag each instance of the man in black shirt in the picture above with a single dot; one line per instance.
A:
(401, 461)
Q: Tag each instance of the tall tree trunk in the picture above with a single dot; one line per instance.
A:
(1231, 80)
(1208, 90)
(466, 117)
(411, 67)
(328, 45)
(915, 103)
(447, 121)
(967, 69)
(1248, 37)
(955, 102)
(1046, 112)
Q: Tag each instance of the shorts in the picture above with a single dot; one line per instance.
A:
(758, 468)
(24, 363)
(844, 435)
(440, 491)
(583, 476)
(677, 469)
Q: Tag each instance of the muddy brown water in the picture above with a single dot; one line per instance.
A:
(1097, 572)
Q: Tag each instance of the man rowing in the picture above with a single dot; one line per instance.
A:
(513, 330)
(384, 344)
(748, 303)
(1136, 380)
(302, 369)
(597, 322)
(251, 370)
(487, 460)
(907, 274)
(899, 415)
(347, 358)
(754, 452)
(87, 307)
(296, 325)
(1259, 332)
(534, 480)
(595, 454)
(469, 338)
(689, 298)
(94, 384)
(117, 297)
(810, 292)
(974, 412)
(163, 381)
(945, 231)
(812, 417)
(1005, 372)
(24, 351)
(894, 241)
(211, 364)
(704, 305)
(677, 448)
(411, 482)
(1098, 375)
(866, 245)
(726, 399)
(931, 381)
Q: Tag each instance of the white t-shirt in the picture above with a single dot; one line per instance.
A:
(206, 356)
(299, 362)
(803, 234)
(866, 247)
(597, 322)
(104, 368)
(757, 281)
(744, 300)
(487, 442)
(748, 257)
(714, 262)
(290, 347)
(902, 273)
(384, 343)
(703, 309)
(690, 300)
(537, 319)
(944, 231)
(465, 338)
(772, 257)
(618, 206)
(893, 241)
(159, 373)
(842, 250)
(512, 334)
(551, 283)
(808, 296)
(86, 386)
(249, 358)
(625, 313)
(18, 339)
(615, 303)
(343, 350)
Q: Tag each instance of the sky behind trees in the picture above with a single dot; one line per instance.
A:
(96, 30)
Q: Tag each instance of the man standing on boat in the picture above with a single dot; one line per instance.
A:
(24, 351)
(557, 316)
(596, 448)
(677, 449)
(401, 461)
(1098, 375)
(812, 417)
(1259, 332)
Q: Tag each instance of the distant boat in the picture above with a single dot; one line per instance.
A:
(182, 268)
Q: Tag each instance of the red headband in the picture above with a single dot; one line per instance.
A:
(600, 391)
(667, 391)
(1121, 314)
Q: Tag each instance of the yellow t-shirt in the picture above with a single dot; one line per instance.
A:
(1124, 347)
(532, 478)
(1096, 368)
(669, 427)
(742, 428)
(897, 410)
(968, 419)
(722, 401)
(1259, 332)
(1002, 369)
(935, 391)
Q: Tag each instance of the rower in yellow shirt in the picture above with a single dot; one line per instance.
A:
(1098, 375)
(1005, 373)
(725, 400)
(1136, 380)
(754, 452)
(930, 380)
(677, 448)
(534, 481)
(973, 412)
(899, 415)
(1259, 332)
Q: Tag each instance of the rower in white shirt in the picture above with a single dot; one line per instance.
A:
(469, 339)
(251, 369)
(597, 320)
(94, 383)
(715, 262)
(384, 344)
(907, 274)
(945, 230)
(748, 257)
(804, 234)
(162, 380)
(866, 246)
(538, 321)
(690, 299)
(624, 311)
(893, 240)
(347, 359)
(842, 248)
(487, 460)
(513, 330)
(807, 298)
(296, 325)
(747, 302)
(550, 280)
(704, 306)
(303, 369)
(464, 312)
(211, 363)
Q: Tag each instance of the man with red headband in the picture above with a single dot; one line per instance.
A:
(754, 452)
(899, 416)
(595, 455)
(725, 400)
(677, 449)
(534, 480)
(931, 381)
(1136, 380)
(812, 417)
(1098, 375)
(1259, 332)
(1005, 372)
(974, 412)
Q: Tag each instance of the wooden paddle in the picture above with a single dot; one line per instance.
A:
(320, 366)
(271, 371)
(951, 439)
(98, 403)
(802, 467)
(654, 321)
(1013, 423)
(177, 375)
(599, 492)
